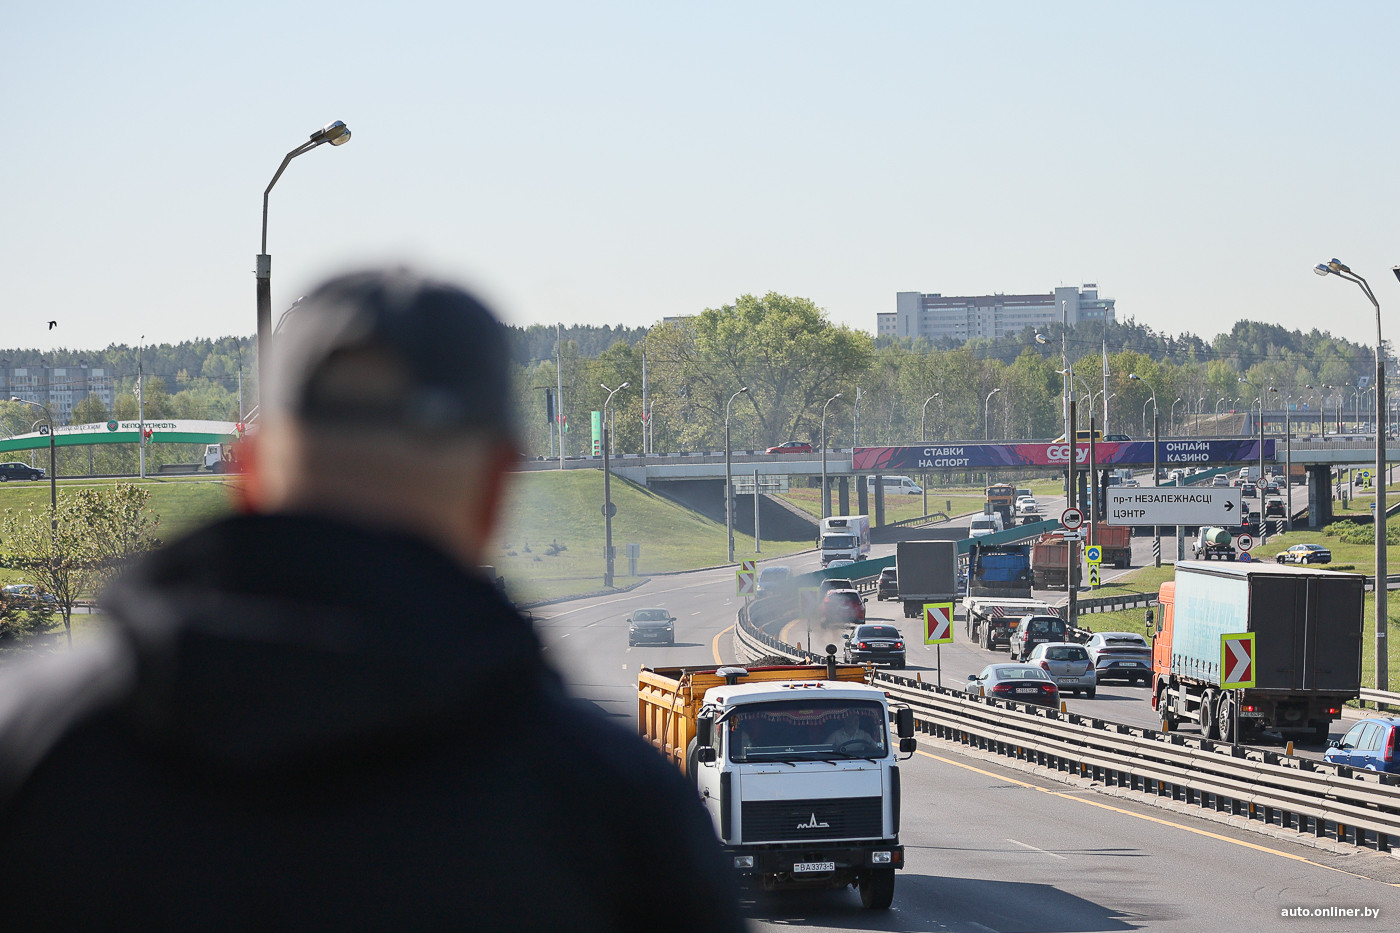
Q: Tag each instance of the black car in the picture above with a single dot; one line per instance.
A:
(1035, 630)
(888, 587)
(875, 644)
(9, 471)
(654, 625)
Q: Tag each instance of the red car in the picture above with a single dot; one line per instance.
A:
(843, 607)
(791, 447)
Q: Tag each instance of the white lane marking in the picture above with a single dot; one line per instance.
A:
(697, 612)
(1034, 849)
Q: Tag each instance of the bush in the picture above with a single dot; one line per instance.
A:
(1349, 532)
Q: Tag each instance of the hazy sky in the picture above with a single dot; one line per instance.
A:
(619, 162)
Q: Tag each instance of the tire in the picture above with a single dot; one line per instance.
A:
(877, 889)
(1224, 720)
(5, 478)
(1207, 714)
(1090, 692)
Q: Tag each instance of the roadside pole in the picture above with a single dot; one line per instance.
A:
(1072, 558)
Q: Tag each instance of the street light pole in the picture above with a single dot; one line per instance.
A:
(607, 489)
(337, 135)
(987, 425)
(1173, 419)
(826, 509)
(728, 481)
(923, 433)
(1156, 462)
(53, 465)
(1382, 668)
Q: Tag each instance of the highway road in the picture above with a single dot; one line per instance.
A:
(990, 846)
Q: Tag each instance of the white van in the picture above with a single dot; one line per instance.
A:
(985, 525)
(900, 485)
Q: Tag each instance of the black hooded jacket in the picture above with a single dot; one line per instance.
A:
(292, 723)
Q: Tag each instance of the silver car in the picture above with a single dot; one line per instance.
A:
(1068, 665)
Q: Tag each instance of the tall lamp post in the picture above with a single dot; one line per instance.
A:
(1340, 270)
(1173, 418)
(607, 489)
(728, 482)
(923, 433)
(826, 508)
(987, 424)
(1263, 394)
(1156, 531)
(53, 465)
(337, 135)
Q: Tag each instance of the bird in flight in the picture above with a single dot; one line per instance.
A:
(52, 324)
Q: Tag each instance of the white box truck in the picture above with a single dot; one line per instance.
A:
(845, 537)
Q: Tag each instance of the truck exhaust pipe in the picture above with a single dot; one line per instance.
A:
(830, 662)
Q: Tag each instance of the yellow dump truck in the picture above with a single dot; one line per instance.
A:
(797, 765)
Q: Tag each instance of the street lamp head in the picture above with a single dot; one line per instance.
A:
(625, 385)
(745, 389)
(337, 134)
(1135, 376)
(1321, 269)
(1040, 338)
(1337, 266)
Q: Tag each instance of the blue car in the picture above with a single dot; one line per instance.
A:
(1373, 744)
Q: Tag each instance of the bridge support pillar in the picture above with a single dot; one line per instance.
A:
(843, 496)
(1319, 486)
(879, 499)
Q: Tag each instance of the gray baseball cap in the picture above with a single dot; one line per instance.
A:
(392, 350)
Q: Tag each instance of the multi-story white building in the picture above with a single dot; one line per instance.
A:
(963, 318)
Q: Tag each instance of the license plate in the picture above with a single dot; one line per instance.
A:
(813, 866)
(1125, 664)
(1069, 680)
(1027, 690)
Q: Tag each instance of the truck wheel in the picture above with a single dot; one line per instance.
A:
(877, 888)
(1224, 719)
(1207, 714)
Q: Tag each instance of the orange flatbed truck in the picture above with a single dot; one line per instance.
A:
(796, 764)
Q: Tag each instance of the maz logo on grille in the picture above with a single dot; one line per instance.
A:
(812, 823)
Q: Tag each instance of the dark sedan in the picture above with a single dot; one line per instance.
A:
(656, 626)
(875, 644)
(791, 447)
(1305, 554)
(1019, 683)
(888, 587)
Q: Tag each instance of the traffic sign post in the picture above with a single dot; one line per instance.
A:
(747, 583)
(1186, 505)
(938, 630)
(1237, 653)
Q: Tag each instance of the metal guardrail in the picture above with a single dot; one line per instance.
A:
(1329, 801)
(1381, 698)
(937, 519)
(1326, 800)
(1115, 603)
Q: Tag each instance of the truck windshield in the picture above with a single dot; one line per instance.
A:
(843, 542)
(810, 729)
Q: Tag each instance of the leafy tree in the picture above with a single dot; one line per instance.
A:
(93, 534)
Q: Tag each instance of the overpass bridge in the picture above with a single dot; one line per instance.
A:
(1318, 457)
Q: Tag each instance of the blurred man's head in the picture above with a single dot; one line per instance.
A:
(388, 402)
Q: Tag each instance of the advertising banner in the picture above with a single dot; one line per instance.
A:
(1172, 453)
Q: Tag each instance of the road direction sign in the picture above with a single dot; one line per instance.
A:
(748, 566)
(1071, 518)
(938, 623)
(1093, 574)
(1237, 661)
(1170, 505)
(747, 583)
(1244, 542)
(1093, 553)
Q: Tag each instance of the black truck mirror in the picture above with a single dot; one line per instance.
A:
(904, 722)
(705, 731)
